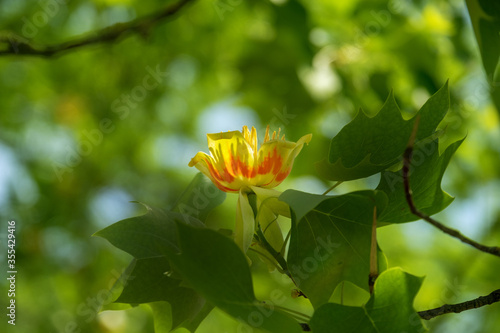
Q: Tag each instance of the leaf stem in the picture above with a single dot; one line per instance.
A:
(333, 186)
(267, 257)
(276, 255)
(297, 314)
(495, 250)
(285, 242)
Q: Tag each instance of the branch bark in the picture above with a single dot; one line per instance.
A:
(493, 297)
(481, 301)
(17, 45)
(495, 250)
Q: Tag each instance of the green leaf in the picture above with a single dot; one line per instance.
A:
(148, 281)
(389, 310)
(367, 146)
(331, 242)
(162, 316)
(148, 235)
(426, 173)
(162, 313)
(199, 198)
(215, 267)
(485, 18)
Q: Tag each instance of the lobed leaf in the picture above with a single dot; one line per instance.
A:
(389, 309)
(215, 267)
(426, 173)
(147, 235)
(330, 240)
(148, 281)
(367, 145)
(149, 278)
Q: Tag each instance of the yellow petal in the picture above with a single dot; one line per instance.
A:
(235, 162)
(206, 164)
(275, 160)
(233, 156)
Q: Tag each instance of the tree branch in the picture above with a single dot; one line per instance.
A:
(409, 198)
(17, 45)
(493, 297)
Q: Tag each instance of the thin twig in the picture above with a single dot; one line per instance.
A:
(493, 297)
(276, 255)
(17, 45)
(268, 259)
(495, 250)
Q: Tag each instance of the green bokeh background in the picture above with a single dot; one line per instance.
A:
(304, 66)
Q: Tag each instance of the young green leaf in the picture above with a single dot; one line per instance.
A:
(215, 267)
(367, 146)
(331, 240)
(427, 169)
(389, 309)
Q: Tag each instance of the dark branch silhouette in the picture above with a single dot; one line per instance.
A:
(495, 250)
(17, 45)
(493, 297)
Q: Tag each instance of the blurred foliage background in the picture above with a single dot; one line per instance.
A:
(84, 133)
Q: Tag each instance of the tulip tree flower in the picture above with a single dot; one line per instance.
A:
(237, 165)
